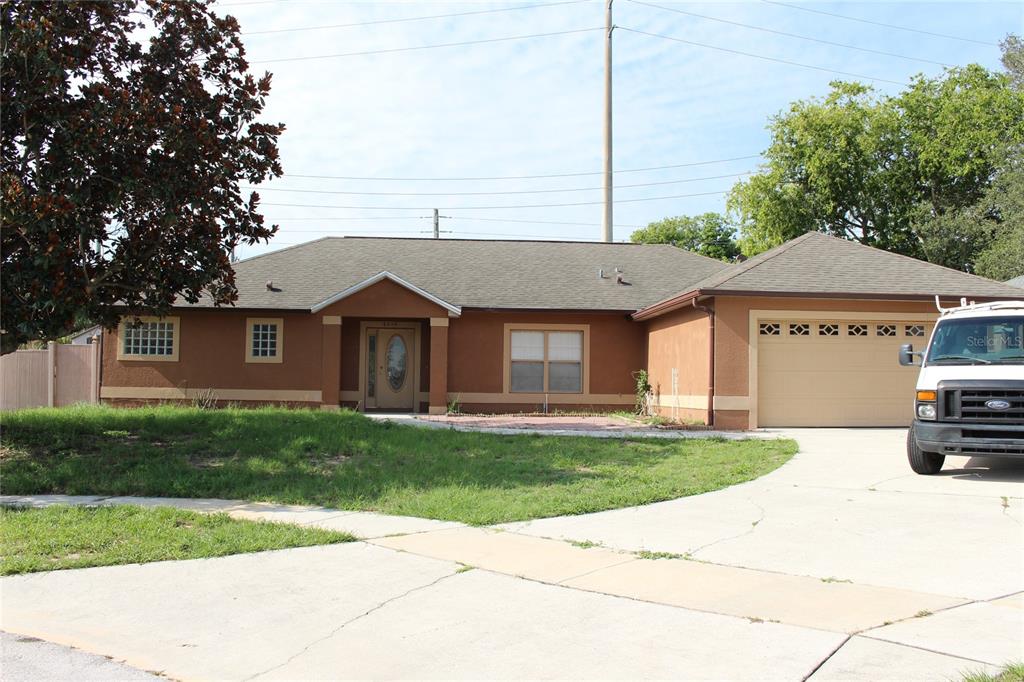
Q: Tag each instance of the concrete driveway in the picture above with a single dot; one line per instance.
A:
(840, 565)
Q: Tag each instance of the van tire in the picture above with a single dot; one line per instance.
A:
(926, 463)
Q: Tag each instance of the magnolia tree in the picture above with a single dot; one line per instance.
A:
(127, 128)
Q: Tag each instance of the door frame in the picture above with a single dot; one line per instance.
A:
(414, 354)
(755, 316)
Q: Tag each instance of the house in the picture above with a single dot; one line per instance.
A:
(1017, 282)
(804, 334)
(85, 336)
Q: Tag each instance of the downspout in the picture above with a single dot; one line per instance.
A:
(710, 312)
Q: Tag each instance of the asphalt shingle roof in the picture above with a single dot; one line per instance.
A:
(474, 273)
(1016, 282)
(816, 263)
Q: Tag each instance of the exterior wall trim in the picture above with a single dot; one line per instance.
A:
(174, 393)
(331, 319)
(453, 310)
(683, 402)
(755, 316)
(550, 398)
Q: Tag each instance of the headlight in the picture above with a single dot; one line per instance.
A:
(926, 410)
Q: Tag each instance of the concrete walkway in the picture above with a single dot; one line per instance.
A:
(839, 565)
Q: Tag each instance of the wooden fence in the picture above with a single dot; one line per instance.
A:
(60, 374)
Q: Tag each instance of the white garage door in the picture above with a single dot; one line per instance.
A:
(827, 372)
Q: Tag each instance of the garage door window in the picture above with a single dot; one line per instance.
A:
(885, 330)
(770, 329)
(857, 330)
(799, 329)
(830, 329)
(914, 330)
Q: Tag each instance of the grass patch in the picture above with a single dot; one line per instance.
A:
(344, 460)
(1013, 672)
(654, 556)
(61, 537)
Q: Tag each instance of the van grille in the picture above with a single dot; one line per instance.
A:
(969, 405)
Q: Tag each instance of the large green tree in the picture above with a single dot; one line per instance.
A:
(127, 128)
(708, 234)
(896, 172)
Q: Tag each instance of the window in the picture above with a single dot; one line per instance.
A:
(264, 339)
(799, 329)
(830, 329)
(857, 330)
(885, 330)
(914, 330)
(770, 329)
(148, 338)
(545, 361)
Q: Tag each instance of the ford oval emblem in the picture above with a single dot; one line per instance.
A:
(997, 405)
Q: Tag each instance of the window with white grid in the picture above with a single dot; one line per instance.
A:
(147, 338)
(264, 339)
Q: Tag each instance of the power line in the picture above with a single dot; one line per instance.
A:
(424, 47)
(464, 218)
(523, 177)
(467, 194)
(789, 35)
(405, 19)
(452, 217)
(488, 208)
(759, 56)
(879, 23)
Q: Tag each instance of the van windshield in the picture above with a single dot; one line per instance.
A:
(978, 341)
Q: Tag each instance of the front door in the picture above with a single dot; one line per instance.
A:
(395, 368)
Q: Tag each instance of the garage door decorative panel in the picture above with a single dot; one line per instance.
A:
(835, 373)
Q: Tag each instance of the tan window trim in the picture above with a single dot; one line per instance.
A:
(250, 323)
(536, 327)
(135, 357)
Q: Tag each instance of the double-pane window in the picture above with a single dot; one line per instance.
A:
(546, 361)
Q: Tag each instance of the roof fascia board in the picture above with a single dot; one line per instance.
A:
(847, 295)
(453, 310)
(668, 305)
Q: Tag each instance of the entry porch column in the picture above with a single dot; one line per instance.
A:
(330, 394)
(438, 365)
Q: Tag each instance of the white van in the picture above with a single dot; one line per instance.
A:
(970, 392)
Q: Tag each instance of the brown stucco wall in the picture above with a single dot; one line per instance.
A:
(732, 321)
(679, 339)
(211, 354)
(476, 349)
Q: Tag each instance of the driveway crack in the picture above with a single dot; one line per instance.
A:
(826, 659)
(348, 622)
(753, 527)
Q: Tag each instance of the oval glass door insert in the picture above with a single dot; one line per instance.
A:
(396, 362)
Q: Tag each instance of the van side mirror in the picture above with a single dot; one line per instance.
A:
(907, 355)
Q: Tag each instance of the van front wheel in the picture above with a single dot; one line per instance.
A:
(920, 461)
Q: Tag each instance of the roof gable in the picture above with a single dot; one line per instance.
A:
(453, 310)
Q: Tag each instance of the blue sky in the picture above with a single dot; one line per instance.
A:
(533, 107)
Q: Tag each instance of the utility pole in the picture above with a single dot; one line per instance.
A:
(606, 221)
(437, 225)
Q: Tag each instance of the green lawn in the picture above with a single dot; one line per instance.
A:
(344, 460)
(78, 537)
(1012, 672)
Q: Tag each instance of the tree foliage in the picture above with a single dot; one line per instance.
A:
(120, 161)
(708, 234)
(896, 172)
